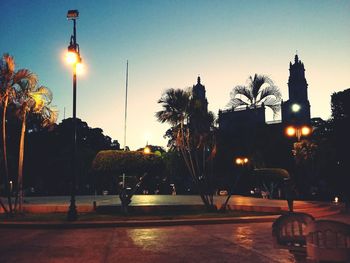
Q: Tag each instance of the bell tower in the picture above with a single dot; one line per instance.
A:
(297, 109)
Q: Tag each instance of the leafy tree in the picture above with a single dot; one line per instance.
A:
(340, 137)
(260, 90)
(9, 80)
(340, 105)
(137, 165)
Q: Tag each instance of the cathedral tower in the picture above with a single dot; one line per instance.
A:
(297, 109)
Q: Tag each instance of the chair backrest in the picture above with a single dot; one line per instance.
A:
(289, 231)
(328, 240)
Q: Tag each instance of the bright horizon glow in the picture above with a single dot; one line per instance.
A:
(168, 44)
(146, 150)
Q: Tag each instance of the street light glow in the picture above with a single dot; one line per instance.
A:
(290, 131)
(305, 130)
(71, 57)
(80, 68)
(239, 161)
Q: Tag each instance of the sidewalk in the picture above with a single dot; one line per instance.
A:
(54, 204)
(318, 209)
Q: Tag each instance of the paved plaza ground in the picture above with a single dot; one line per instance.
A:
(240, 242)
(206, 243)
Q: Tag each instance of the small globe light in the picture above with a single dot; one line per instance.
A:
(239, 161)
(245, 160)
(296, 107)
(290, 131)
(305, 131)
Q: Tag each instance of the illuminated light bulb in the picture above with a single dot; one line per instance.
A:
(71, 57)
(305, 130)
(245, 160)
(290, 131)
(239, 161)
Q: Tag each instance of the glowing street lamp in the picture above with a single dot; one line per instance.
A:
(292, 131)
(241, 160)
(73, 58)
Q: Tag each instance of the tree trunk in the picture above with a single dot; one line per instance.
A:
(20, 162)
(6, 176)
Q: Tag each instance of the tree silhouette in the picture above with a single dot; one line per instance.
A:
(9, 81)
(192, 134)
(260, 90)
(31, 98)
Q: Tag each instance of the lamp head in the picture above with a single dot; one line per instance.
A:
(72, 14)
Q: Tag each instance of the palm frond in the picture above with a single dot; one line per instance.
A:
(8, 63)
(236, 102)
(242, 91)
(270, 91)
(49, 115)
(174, 106)
(25, 75)
(257, 82)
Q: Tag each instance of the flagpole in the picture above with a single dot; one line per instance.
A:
(126, 102)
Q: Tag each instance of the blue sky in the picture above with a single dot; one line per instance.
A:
(168, 44)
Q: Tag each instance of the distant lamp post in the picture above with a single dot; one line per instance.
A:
(296, 131)
(336, 199)
(73, 58)
(11, 187)
(241, 161)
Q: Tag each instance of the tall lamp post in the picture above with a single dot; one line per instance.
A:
(73, 57)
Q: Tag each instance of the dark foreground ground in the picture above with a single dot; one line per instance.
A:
(206, 243)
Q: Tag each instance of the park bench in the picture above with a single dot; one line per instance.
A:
(289, 232)
(328, 241)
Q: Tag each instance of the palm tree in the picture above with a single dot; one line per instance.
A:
(191, 138)
(175, 103)
(260, 91)
(31, 99)
(9, 80)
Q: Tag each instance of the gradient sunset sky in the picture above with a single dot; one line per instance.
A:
(168, 44)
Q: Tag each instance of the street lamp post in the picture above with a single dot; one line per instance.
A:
(73, 57)
(240, 162)
(292, 131)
